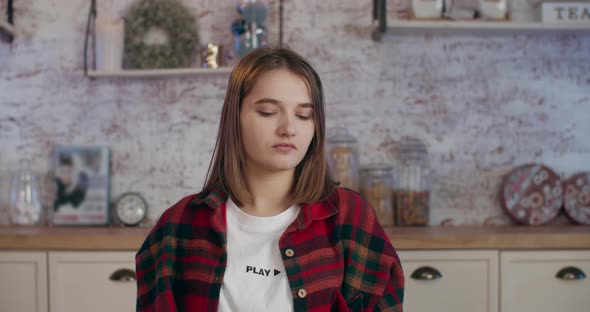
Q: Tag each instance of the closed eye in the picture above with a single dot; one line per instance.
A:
(269, 114)
(265, 114)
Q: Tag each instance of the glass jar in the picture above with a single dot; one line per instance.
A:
(342, 154)
(5, 178)
(412, 192)
(376, 187)
(25, 198)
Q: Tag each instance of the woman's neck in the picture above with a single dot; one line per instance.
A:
(271, 193)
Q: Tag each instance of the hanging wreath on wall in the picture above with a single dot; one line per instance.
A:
(171, 18)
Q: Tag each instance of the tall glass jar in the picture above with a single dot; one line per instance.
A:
(5, 178)
(25, 198)
(376, 187)
(342, 153)
(412, 191)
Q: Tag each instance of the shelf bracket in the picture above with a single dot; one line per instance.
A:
(90, 24)
(379, 18)
(10, 12)
(8, 33)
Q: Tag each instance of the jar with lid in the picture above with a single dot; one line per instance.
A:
(25, 198)
(376, 187)
(342, 154)
(412, 190)
(5, 179)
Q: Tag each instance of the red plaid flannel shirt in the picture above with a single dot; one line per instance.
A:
(339, 258)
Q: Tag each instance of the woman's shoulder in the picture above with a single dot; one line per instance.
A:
(351, 205)
(167, 225)
(344, 191)
(358, 221)
(348, 196)
(180, 212)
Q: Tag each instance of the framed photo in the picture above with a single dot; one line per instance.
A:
(82, 181)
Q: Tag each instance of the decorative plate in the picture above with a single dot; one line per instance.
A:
(577, 197)
(532, 194)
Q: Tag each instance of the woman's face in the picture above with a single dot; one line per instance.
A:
(64, 173)
(276, 122)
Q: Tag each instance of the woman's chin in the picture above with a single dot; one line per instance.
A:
(280, 166)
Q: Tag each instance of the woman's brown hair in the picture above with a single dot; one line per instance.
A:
(313, 178)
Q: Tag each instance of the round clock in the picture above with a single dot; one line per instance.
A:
(130, 209)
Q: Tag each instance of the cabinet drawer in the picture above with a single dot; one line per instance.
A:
(468, 282)
(81, 281)
(24, 281)
(529, 281)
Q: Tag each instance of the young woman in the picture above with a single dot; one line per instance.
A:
(270, 231)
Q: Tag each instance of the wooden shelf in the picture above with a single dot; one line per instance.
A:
(499, 27)
(71, 238)
(403, 238)
(7, 31)
(147, 73)
(490, 237)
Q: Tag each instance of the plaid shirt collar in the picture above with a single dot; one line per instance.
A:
(309, 211)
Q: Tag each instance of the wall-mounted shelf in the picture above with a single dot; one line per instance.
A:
(7, 31)
(448, 26)
(147, 73)
(124, 73)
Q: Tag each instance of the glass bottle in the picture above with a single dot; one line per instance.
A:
(25, 198)
(342, 153)
(377, 188)
(412, 191)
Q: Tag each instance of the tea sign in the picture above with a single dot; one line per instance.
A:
(566, 12)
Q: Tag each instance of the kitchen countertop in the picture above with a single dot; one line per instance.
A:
(491, 237)
(403, 238)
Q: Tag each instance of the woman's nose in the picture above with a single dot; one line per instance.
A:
(287, 126)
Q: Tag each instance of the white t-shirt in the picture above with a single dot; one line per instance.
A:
(255, 278)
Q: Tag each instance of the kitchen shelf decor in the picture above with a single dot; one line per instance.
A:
(532, 194)
(91, 70)
(447, 26)
(577, 197)
(176, 50)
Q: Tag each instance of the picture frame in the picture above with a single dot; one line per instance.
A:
(82, 186)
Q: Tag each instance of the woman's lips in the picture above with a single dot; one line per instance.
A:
(284, 148)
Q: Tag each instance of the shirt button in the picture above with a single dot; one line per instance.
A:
(289, 252)
(301, 293)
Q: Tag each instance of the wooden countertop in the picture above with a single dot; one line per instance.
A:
(491, 237)
(406, 238)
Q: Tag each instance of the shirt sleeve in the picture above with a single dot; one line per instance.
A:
(372, 266)
(154, 276)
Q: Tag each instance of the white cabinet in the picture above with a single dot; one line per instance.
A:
(470, 280)
(543, 281)
(92, 281)
(450, 281)
(23, 285)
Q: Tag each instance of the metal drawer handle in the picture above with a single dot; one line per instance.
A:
(570, 273)
(123, 275)
(426, 273)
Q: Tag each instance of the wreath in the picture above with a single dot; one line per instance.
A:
(177, 23)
